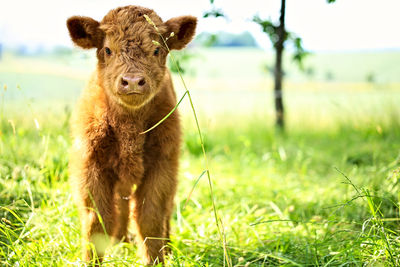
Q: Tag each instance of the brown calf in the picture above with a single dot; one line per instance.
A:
(130, 91)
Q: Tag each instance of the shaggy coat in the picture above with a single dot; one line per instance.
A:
(116, 170)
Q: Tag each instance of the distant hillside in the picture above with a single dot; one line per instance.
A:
(225, 39)
(254, 64)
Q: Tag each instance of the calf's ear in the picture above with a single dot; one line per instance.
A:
(85, 32)
(184, 29)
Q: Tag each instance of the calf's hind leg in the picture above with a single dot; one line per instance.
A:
(123, 193)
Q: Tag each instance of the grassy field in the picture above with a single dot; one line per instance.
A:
(324, 193)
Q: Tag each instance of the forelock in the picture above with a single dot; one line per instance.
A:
(128, 21)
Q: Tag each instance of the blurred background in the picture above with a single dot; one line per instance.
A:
(298, 102)
(334, 54)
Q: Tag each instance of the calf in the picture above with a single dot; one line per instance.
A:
(116, 170)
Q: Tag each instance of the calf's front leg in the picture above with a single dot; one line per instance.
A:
(97, 213)
(153, 206)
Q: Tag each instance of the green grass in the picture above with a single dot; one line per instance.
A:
(324, 193)
(280, 197)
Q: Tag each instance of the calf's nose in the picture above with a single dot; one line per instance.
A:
(132, 83)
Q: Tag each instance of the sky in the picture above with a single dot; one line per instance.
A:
(346, 25)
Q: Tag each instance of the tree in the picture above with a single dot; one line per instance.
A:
(279, 36)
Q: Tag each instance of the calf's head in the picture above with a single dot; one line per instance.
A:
(130, 51)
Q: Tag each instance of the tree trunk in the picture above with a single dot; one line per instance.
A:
(279, 47)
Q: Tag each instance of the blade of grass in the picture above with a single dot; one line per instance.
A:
(166, 116)
(194, 186)
(207, 170)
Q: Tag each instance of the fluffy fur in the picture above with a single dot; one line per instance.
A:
(110, 157)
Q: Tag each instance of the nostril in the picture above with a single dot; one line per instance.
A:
(142, 82)
(124, 82)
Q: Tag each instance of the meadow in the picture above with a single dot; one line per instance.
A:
(323, 193)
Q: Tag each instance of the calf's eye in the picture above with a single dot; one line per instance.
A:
(156, 51)
(108, 51)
